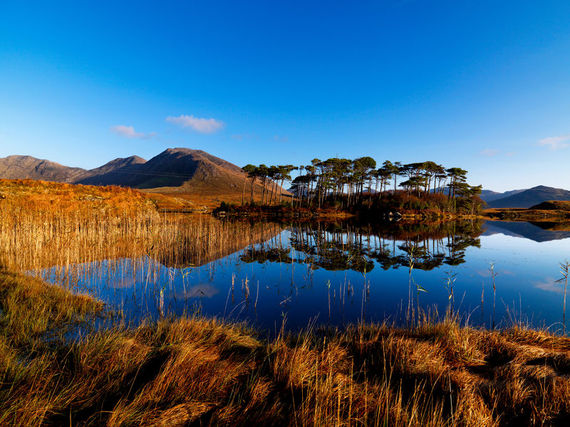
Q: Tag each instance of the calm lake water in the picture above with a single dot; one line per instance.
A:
(336, 274)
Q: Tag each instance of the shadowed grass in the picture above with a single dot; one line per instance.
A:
(30, 308)
(206, 372)
(180, 371)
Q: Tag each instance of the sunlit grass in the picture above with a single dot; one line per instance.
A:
(59, 225)
(191, 369)
(178, 371)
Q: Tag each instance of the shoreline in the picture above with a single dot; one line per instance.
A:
(206, 371)
(287, 212)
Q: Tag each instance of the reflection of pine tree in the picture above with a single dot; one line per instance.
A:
(347, 246)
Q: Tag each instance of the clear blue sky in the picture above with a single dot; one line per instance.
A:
(484, 85)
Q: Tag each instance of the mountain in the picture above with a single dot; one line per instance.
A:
(173, 170)
(490, 196)
(532, 196)
(116, 164)
(553, 205)
(115, 172)
(22, 167)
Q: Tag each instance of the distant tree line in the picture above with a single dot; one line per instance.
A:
(349, 183)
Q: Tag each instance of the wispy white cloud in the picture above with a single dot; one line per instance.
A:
(244, 136)
(489, 152)
(548, 285)
(556, 142)
(493, 152)
(279, 138)
(196, 123)
(129, 132)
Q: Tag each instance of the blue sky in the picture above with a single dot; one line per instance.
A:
(484, 85)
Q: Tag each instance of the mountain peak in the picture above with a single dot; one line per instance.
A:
(545, 188)
(181, 150)
(28, 167)
(177, 169)
(530, 197)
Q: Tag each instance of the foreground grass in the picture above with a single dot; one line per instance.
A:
(206, 372)
(203, 371)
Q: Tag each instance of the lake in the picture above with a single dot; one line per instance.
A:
(334, 274)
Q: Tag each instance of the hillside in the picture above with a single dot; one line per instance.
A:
(194, 174)
(553, 205)
(60, 198)
(179, 168)
(115, 172)
(490, 196)
(531, 197)
(27, 167)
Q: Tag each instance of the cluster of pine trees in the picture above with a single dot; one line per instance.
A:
(349, 183)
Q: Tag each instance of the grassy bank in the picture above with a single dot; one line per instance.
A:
(527, 215)
(399, 205)
(208, 372)
(194, 370)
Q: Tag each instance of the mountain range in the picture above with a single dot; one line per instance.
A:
(526, 198)
(490, 196)
(178, 169)
(195, 171)
(27, 167)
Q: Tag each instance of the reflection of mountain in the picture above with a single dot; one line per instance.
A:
(524, 230)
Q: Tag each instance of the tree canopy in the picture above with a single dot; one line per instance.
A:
(352, 182)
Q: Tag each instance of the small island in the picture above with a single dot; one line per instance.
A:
(339, 187)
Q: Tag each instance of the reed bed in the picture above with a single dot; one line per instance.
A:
(56, 370)
(204, 371)
(58, 225)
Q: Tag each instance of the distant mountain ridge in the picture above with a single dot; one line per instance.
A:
(175, 169)
(530, 197)
(490, 196)
(28, 167)
(523, 198)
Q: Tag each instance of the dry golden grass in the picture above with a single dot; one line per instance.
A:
(193, 370)
(48, 224)
(207, 199)
(205, 372)
(64, 198)
(31, 307)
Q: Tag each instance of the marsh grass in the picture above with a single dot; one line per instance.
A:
(564, 271)
(45, 225)
(192, 370)
(31, 308)
(205, 371)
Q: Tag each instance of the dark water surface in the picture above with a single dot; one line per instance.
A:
(336, 274)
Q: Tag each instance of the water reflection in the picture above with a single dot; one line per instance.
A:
(361, 248)
(343, 272)
(536, 231)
